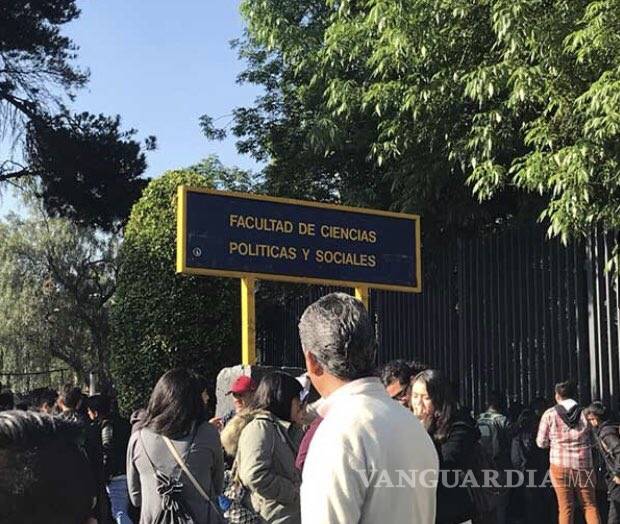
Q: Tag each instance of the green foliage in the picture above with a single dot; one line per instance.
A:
(557, 73)
(161, 319)
(88, 169)
(56, 281)
(326, 141)
(515, 101)
(286, 128)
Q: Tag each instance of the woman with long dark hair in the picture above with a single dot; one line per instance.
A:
(176, 412)
(455, 435)
(261, 440)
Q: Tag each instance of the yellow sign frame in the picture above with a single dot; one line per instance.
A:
(248, 349)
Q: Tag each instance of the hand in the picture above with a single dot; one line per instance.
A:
(617, 479)
(217, 422)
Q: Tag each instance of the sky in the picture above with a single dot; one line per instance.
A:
(161, 65)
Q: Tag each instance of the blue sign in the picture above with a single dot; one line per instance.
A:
(238, 234)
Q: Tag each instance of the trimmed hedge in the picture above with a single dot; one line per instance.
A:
(160, 319)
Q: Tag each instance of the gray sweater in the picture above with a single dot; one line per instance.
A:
(204, 460)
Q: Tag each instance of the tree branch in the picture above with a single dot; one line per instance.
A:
(26, 107)
(14, 174)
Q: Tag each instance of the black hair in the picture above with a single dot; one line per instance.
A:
(71, 396)
(313, 395)
(203, 383)
(495, 400)
(440, 393)
(597, 409)
(275, 393)
(100, 403)
(565, 389)
(7, 401)
(417, 367)
(538, 405)
(526, 421)
(399, 370)
(42, 396)
(40, 463)
(175, 404)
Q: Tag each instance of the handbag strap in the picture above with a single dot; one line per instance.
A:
(188, 473)
(179, 460)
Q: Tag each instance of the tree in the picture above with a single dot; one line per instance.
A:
(556, 72)
(473, 112)
(324, 142)
(56, 283)
(87, 168)
(161, 319)
(282, 128)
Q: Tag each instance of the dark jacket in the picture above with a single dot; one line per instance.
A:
(454, 504)
(115, 433)
(525, 455)
(607, 442)
(90, 442)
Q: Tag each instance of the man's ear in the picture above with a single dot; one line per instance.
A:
(312, 364)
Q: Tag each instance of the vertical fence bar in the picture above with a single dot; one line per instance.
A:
(510, 311)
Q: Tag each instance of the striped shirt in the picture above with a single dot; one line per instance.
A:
(570, 447)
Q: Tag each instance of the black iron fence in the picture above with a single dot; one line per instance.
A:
(511, 311)
(22, 383)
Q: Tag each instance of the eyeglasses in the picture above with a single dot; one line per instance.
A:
(401, 394)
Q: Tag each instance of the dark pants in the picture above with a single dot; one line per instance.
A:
(613, 517)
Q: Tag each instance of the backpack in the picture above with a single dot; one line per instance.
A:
(485, 497)
(173, 508)
(606, 453)
(493, 437)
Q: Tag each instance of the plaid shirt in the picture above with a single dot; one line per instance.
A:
(570, 448)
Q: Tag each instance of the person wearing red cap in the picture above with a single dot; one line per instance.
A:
(242, 390)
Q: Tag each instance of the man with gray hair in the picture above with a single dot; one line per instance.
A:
(370, 460)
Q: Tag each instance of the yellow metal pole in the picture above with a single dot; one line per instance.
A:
(181, 228)
(248, 322)
(361, 293)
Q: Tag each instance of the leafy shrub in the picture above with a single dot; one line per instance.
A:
(160, 319)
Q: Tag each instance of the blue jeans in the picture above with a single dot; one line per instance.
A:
(119, 499)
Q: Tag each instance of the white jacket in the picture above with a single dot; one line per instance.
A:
(370, 462)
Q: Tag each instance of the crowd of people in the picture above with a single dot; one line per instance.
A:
(343, 443)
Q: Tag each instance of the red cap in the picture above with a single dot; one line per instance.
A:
(243, 384)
